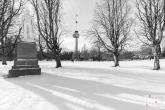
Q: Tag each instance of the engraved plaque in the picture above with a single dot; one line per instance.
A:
(26, 51)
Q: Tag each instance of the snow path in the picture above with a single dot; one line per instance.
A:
(83, 86)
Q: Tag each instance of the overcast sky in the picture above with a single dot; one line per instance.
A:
(84, 10)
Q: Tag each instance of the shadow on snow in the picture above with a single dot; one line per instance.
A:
(66, 93)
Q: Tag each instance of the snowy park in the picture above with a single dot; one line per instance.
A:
(82, 54)
(83, 86)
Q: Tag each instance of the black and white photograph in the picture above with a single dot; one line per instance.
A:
(82, 54)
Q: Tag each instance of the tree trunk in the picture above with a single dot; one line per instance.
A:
(4, 60)
(58, 61)
(156, 63)
(3, 57)
(116, 60)
(156, 53)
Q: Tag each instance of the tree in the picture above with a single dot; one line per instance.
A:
(94, 54)
(66, 55)
(9, 14)
(76, 55)
(49, 23)
(84, 53)
(111, 26)
(127, 55)
(9, 50)
(163, 52)
(146, 50)
(151, 25)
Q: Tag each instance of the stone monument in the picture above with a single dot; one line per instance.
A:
(26, 62)
(27, 26)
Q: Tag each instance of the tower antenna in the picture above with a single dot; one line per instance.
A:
(76, 21)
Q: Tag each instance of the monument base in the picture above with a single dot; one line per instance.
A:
(22, 68)
(23, 72)
(27, 63)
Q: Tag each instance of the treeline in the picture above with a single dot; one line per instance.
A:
(93, 54)
(102, 55)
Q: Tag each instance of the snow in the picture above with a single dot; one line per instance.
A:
(83, 86)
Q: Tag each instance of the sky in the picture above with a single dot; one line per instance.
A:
(84, 10)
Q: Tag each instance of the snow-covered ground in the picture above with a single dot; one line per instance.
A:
(84, 86)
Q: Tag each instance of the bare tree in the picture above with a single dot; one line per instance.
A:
(111, 26)
(151, 25)
(84, 55)
(43, 48)
(9, 14)
(49, 23)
